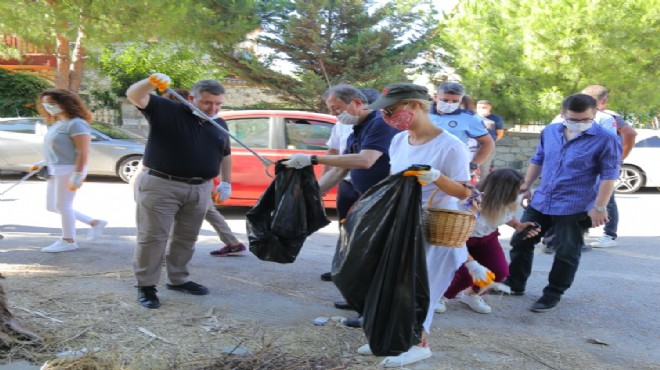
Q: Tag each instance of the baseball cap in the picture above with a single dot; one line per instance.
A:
(453, 88)
(399, 91)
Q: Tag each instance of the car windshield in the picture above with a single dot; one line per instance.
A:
(116, 132)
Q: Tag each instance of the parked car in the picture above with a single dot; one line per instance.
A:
(274, 134)
(113, 151)
(641, 168)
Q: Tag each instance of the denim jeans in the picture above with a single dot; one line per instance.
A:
(570, 238)
(613, 212)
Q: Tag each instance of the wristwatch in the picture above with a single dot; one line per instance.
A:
(600, 208)
(314, 159)
(473, 166)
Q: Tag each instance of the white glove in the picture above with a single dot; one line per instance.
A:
(481, 276)
(160, 80)
(37, 166)
(224, 189)
(76, 181)
(428, 177)
(298, 161)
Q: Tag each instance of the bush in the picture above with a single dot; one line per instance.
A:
(18, 93)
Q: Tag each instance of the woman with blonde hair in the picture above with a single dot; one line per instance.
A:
(66, 149)
(406, 107)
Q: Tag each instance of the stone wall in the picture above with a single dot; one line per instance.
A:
(515, 149)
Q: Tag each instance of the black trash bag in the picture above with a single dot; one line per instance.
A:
(380, 264)
(288, 212)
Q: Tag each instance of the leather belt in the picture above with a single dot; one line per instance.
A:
(187, 180)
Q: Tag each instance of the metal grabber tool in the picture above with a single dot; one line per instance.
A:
(265, 161)
(30, 174)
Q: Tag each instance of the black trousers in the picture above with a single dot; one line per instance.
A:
(569, 236)
(346, 197)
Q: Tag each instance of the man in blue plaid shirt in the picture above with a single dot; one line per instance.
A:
(578, 162)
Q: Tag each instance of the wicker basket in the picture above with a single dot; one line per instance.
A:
(447, 227)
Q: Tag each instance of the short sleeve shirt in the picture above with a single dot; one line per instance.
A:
(493, 123)
(460, 124)
(182, 144)
(59, 147)
(339, 137)
(374, 134)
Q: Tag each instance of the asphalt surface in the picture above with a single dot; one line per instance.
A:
(614, 299)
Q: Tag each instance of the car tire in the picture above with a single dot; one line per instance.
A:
(128, 167)
(631, 179)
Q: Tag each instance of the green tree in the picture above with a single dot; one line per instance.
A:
(19, 92)
(527, 55)
(326, 42)
(56, 24)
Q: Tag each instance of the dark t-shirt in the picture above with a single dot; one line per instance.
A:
(374, 134)
(180, 143)
(497, 125)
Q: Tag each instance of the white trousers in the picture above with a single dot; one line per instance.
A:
(59, 199)
(441, 263)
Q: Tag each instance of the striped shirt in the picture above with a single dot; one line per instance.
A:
(572, 170)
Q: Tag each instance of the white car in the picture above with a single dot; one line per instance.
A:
(641, 168)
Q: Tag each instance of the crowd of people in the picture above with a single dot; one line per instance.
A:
(573, 170)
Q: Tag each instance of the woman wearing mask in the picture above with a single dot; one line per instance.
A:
(405, 107)
(66, 148)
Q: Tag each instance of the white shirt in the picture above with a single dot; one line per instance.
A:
(484, 228)
(339, 136)
(445, 153)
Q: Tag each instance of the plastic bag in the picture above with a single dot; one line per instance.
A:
(380, 264)
(288, 212)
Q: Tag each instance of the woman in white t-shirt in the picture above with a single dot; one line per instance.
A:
(406, 107)
(66, 148)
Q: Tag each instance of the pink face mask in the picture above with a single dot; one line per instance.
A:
(401, 120)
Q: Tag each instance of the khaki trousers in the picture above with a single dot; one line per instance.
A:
(169, 217)
(215, 218)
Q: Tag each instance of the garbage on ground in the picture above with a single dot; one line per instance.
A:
(321, 321)
(81, 352)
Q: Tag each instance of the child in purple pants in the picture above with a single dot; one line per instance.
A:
(500, 193)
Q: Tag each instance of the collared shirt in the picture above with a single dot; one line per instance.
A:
(374, 134)
(572, 170)
(493, 123)
(460, 124)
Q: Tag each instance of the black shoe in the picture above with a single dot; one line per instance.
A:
(354, 322)
(326, 276)
(190, 288)
(147, 297)
(586, 248)
(545, 303)
(343, 305)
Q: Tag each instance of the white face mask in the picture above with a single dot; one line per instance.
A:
(577, 126)
(200, 116)
(483, 112)
(52, 108)
(445, 107)
(348, 119)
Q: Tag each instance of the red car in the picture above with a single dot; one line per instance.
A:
(274, 134)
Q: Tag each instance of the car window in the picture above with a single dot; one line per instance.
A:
(307, 134)
(19, 126)
(114, 132)
(650, 142)
(251, 131)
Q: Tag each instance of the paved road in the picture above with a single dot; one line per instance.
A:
(614, 298)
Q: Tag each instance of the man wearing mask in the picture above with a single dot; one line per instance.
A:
(183, 153)
(495, 126)
(578, 162)
(365, 156)
(461, 124)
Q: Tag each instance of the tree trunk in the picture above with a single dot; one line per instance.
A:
(78, 62)
(63, 61)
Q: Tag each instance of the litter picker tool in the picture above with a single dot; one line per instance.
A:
(266, 162)
(30, 174)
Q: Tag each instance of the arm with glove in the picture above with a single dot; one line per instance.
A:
(36, 167)
(222, 191)
(449, 186)
(81, 143)
(481, 276)
(139, 92)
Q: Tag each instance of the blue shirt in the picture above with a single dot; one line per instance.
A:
(498, 124)
(460, 124)
(572, 170)
(374, 134)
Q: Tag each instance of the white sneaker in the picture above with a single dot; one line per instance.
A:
(60, 246)
(364, 350)
(604, 241)
(475, 302)
(441, 306)
(413, 355)
(97, 230)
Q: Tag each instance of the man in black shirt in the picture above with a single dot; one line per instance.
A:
(183, 153)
